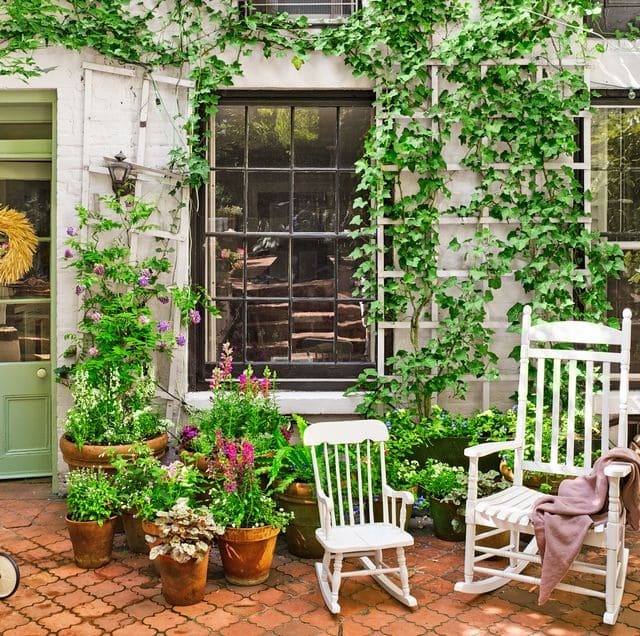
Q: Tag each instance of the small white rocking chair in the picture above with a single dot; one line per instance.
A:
(580, 415)
(347, 456)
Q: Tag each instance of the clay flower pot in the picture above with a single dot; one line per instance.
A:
(247, 554)
(182, 583)
(95, 456)
(92, 543)
(134, 532)
(300, 534)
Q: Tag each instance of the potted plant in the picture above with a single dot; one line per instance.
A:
(445, 488)
(245, 509)
(125, 304)
(181, 549)
(291, 476)
(91, 516)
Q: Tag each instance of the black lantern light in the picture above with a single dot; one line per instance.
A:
(120, 172)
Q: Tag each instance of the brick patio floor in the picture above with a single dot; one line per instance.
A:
(124, 597)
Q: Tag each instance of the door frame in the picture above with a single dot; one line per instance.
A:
(49, 96)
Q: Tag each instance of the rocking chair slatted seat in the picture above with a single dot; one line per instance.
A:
(570, 412)
(350, 476)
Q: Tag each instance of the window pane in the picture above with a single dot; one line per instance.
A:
(313, 268)
(229, 201)
(352, 330)
(31, 197)
(269, 137)
(355, 121)
(630, 125)
(268, 331)
(625, 292)
(229, 136)
(227, 273)
(268, 267)
(314, 202)
(314, 137)
(25, 332)
(347, 183)
(630, 201)
(229, 327)
(346, 268)
(35, 283)
(268, 199)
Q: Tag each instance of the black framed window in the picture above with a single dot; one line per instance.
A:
(274, 247)
(311, 8)
(615, 15)
(615, 188)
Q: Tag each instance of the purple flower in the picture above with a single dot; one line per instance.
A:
(93, 351)
(94, 315)
(163, 326)
(98, 269)
(143, 281)
(68, 253)
(80, 289)
(163, 299)
(144, 320)
(189, 432)
(181, 340)
(194, 316)
(71, 231)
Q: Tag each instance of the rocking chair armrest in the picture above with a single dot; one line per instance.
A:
(405, 495)
(617, 470)
(480, 450)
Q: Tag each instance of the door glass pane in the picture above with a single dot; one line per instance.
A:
(269, 137)
(32, 197)
(314, 137)
(24, 332)
(35, 283)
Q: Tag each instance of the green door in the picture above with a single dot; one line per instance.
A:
(25, 303)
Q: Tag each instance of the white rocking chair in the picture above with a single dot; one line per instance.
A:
(579, 398)
(347, 456)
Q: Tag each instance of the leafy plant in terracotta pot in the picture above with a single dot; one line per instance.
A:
(247, 511)
(181, 550)
(125, 304)
(92, 506)
(291, 476)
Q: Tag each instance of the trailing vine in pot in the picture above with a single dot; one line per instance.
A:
(112, 379)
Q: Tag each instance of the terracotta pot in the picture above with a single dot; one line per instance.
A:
(92, 543)
(134, 532)
(247, 554)
(94, 456)
(182, 583)
(151, 529)
(300, 534)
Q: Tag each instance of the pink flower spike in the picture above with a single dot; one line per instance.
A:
(98, 269)
(93, 351)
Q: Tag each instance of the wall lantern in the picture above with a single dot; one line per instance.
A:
(122, 182)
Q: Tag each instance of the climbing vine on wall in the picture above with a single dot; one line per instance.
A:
(510, 90)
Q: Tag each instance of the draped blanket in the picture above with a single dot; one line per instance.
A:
(561, 522)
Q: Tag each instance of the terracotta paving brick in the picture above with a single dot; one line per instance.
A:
(110, 622)
(269, 619)
(81, 630)
(26, 630)
(39, 610)
(140, 630)
(59, 621)
(143, 609)
(217, 619)
(93, 609)
(164, 621)
(188, 629)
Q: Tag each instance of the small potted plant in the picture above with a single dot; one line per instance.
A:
(181, 549)
(445, 488)
(92, 506)
(247, 511)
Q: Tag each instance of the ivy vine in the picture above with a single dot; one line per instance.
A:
(510, 89)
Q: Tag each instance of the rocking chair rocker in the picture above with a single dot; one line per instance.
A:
(347, 456)
(570, 413)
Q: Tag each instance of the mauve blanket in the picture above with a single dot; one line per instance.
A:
(562, 521)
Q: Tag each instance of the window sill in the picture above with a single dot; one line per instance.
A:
(299, 402)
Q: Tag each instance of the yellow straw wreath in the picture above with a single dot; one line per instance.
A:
(22, 245)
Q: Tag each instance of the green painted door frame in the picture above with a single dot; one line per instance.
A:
(28, 430)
